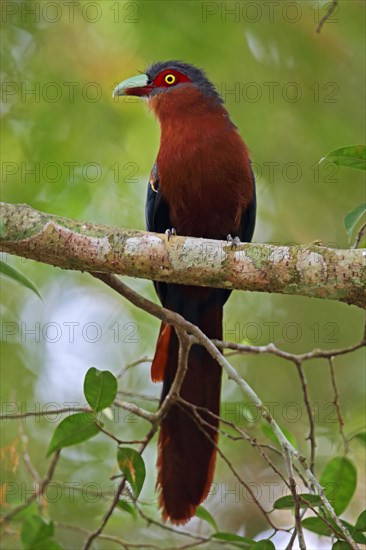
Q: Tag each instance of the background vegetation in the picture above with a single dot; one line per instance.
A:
(68, 148)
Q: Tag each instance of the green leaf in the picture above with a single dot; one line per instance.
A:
(100, 388)
(203, 514)
(127, 507)
(361, 522)
(316, 525)
(30, 510)
(264, 544)
(358, 536)
(351, 219)
(340, 545)
(353, 156)
(48, 544)
(287, 502)
(72, 430)
(339, 479)
(35, 532)
(268, 432)
(361, 437)
(132, 466)
(13, 274)
(236, 540)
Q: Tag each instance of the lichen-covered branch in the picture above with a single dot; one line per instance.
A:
(311, 270)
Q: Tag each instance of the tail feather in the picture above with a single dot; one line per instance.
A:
(186, 455)
(161, 354)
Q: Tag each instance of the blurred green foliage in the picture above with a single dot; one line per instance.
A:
(68, 148)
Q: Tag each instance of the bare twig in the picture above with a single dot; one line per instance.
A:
(126, 544)
(305, 391)
(135, 409)
(274, 350)
(27, 459)
(198, 539)
(200, 422)
(359, 235)
(180, 323)
(342, 528)
(116, 439)
(184, 347)
(337, 406)
(242, 437)
(292, 482)
(327, 15)
(40, 414)
(95, 534)
(172, 397)
(142, 396)
(187, 335)
(117, 540)
(38, 492)
(135, 363)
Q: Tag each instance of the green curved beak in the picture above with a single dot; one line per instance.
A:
(139, 81)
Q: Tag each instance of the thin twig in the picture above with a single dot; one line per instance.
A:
(142, 396)
(27, 459)
(166, 527)
(359, 235)
(112, 538)
(135, 409)
(337, 406)
(243, 435)
(96, 533)
(253, 442)
(294, 533)
(27, 414)
(292, 482)
(38, 492)
(173, 394)
(305, 391)
(178, 321)
(343, 529)
(184, 347)
(325, 17)
(116, 439)
(135, 363)
(274, 350)
(200, 422)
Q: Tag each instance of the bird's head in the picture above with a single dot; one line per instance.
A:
(167, 77)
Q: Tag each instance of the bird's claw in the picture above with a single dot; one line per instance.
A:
(170, 233)
(233, 241)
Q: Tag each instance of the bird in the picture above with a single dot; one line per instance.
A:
(201, 185)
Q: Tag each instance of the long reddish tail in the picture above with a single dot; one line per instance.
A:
(186, 455)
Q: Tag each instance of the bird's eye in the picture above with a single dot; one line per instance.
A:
(170, 79)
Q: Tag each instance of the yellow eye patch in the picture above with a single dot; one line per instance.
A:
(170, 79)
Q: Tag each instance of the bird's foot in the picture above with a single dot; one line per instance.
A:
(170, 233)
(233, 241)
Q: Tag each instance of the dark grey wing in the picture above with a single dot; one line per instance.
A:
(247, 222)
(156, 209)
(157, 218)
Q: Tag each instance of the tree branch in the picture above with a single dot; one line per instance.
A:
(312, 270)
(327, 15)
(180, 323)
(39, 491)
